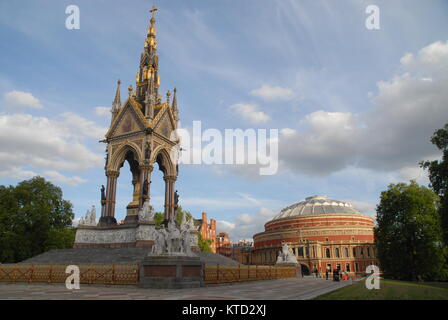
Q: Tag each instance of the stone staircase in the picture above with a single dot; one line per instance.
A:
(109, 256)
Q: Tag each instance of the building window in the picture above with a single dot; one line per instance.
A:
(327, 253)
(356, 267)
(300, 252)
(354, 252)
(337, 253)
(368, 251)
(347, 267)
(361, 252)
(338, 266)
(329, 267)
(346, 252)
(307, 250)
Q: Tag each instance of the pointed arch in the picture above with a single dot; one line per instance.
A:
(162, 156)
(119, 156)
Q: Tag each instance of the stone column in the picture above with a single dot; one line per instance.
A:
(169, 196)
(108, 214)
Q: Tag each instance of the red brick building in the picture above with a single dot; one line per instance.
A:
(323, 234)
(223, 244)
(207, 230)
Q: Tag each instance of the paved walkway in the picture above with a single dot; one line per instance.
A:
(279, 289)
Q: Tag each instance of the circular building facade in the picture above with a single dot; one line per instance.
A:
(324, 234)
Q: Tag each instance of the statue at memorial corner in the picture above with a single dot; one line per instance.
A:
(103, 193)
(176, 198)
(148, 151)
(89, 219)
(286, 255)
(174, 240)
(146, 213)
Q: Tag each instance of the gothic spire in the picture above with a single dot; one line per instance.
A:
(147, 79)
(116, 105)
(174, 105)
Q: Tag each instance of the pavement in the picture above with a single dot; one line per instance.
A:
(278, 289)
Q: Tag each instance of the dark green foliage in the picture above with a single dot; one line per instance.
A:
(409, 234)
(33, 218)
(204, 244)
(438, 175)
(159, 216)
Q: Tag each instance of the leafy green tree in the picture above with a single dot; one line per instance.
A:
(33, 218)
(409, 233)
(159, 216)
(438, 175)
(204, 244)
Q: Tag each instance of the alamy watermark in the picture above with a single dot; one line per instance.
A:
(72, 281)
(72, 22)
(373, 18)
(373, 280)
(227, 147)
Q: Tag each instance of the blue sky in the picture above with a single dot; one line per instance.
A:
(355, 107)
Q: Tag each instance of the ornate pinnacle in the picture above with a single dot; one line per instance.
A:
(174, 105)
(168, 94)
(116, 104)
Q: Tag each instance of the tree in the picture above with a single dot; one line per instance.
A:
(409, 233)
(159, 216)
(204, 244)
(33, 218)
(438, 175)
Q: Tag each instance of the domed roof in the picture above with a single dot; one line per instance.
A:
(316, 205)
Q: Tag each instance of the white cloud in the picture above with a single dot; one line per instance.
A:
(327, 146)
(393, 136)
(20, 99)
(245, 225)
(103, 112)
(58, 177)
(364, 207)
(414, 173)
(288, 132)
(250, 113)
(44, 146)
(271, 93)
(82, 126)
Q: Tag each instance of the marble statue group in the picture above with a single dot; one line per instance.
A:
(174, 240)
(286, 255)
(89, 219)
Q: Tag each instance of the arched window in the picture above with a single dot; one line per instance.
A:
(327, 253)
(354, 251)
(346, 252)
(368, 251)
(337, 253)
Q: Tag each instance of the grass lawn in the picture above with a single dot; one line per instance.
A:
(389, 290)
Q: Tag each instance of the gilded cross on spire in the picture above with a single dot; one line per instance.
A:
(153, 10)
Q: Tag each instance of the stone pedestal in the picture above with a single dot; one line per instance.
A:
(117, 236)
(291, 264)
(171, 272)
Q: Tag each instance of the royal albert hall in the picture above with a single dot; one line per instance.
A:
(324, 234)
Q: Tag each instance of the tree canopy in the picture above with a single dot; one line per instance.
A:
(409, 234)
(34, 218)
(438, 175)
